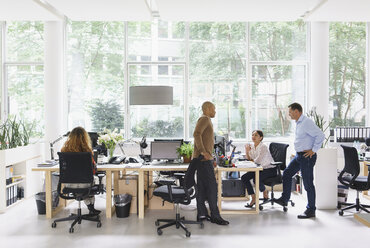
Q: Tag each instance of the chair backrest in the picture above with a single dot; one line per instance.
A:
(278, 152)
(75, 167)
(351, 162)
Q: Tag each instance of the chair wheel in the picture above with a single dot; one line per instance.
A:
(188, 234)
(292, 204)
(54, 225)
(71, 230)
(156, 223)
(261, 207)
(98, 225)
(159, 232)
(201, 225)
(341, 213)
(285, 209)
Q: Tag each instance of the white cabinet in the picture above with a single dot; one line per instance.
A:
(325, 178)
(21, 159)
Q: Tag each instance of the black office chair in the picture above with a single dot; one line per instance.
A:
(178, 195)
(77, 167)
(278, 152)
(349, 177)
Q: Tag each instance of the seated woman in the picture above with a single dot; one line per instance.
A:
(260, 154)
(79, 141)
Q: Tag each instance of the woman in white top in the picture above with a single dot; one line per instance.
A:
(260, 154)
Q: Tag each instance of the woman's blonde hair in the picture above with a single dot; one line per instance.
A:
(78, 141)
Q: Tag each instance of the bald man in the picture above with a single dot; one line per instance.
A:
(206, 180)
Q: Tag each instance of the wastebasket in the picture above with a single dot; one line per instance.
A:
(40, 201)
(122, 203)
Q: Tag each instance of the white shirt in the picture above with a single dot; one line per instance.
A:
(261, 155)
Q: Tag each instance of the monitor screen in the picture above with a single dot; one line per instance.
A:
(94, 139)
(220, 144)
(166, 150)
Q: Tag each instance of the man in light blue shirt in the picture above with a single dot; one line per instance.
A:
(308, 140)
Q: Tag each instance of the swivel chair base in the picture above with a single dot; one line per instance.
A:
(77, 218)
(273, 200)
(178, 222)
(356, 205)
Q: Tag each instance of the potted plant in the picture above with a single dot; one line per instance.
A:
(186, 150)
(325, 170)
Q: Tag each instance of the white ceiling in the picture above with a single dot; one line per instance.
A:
(187, 10)
(23, 10)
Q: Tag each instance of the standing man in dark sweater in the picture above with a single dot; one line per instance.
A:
(206, 180)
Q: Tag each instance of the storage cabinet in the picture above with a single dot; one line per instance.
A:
(21, 159)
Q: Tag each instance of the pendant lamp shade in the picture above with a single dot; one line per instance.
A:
(151, 95)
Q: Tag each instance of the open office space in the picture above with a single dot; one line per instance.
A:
(141, 69)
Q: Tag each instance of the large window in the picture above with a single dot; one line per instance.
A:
(24, 73)
(274, 87)
(96, 75)
(218, 74)
(347, 73)
(219, 69)
(165, 121)
(278, 72)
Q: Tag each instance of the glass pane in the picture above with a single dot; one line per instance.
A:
(271, 41)
(139, 41)
(273, 89)
(158, 121)
(347, 73)
(96, 75)
(218, 74)
(26, 95)
(25, 41)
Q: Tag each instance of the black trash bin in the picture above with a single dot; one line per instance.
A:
(122, 203)
(40, 201)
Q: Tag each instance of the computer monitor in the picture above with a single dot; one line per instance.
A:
(220, 145)
(164, 149)
(94, 138)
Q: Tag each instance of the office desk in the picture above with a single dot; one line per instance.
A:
(257, 177)
(108, 168)
(112, 172)
(151, 168)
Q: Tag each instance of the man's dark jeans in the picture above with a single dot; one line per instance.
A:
(305, 165)
(207, 189)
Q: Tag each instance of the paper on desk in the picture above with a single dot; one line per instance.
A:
(245, 164)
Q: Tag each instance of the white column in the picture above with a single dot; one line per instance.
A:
(53, 70)
(367, 93)
(319, 93)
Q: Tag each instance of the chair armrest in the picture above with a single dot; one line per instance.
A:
(179, 175)
(276, 163)
(166, 182)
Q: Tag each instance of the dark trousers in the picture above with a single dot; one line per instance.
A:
(207, 189)
(305, 165)
(265, 173)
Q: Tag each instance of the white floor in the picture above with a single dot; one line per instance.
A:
(20, 226)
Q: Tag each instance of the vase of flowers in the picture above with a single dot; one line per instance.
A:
(110, 139)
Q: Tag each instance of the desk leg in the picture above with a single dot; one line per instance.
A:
(257, 178)
(366, 173)
(141, 194)
(108, 206)
(219, 191)
(48, 200)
